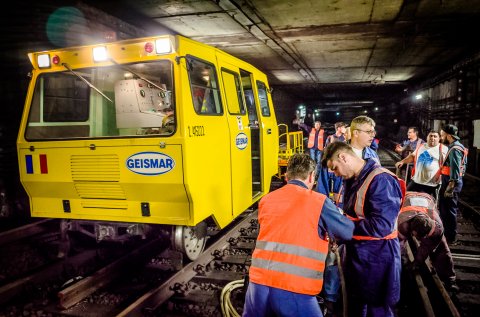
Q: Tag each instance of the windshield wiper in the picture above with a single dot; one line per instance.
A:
(138, 75)
(86, 81)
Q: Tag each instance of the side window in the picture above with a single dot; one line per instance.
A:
(233, 92)
(262, 95)
(249, 97)
(204, 86)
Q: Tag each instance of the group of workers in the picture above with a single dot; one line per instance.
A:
(300, 227)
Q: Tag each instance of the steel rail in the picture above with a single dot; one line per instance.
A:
(153, 299)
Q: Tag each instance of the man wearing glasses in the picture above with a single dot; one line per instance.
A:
(363, 132)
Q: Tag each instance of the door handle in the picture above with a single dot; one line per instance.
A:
(269, 131)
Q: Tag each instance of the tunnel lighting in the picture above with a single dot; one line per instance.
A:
(43, 60)
(100, 54)
(163, 46)
(418, 96)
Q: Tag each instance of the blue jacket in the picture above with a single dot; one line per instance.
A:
(373, 266)
(324, 176)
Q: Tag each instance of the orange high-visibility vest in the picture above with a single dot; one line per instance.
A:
(445, 170)
(360, 201)
(311, 139)
(289, 254)
(415, 203)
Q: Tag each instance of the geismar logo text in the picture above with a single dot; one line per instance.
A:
(150, 163)
(241, 141)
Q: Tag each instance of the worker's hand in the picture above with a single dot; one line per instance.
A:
(399, 164)
(449, 190)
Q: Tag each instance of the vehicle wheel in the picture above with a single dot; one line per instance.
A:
(189, 241)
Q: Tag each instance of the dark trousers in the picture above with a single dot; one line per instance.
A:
(449, 208)
(442, 261)
(415, 187)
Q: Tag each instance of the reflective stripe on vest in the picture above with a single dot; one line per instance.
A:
(311, 139)
(285, 267)
(445, 170)
(408, 212)
(289, 254)
(360, 201)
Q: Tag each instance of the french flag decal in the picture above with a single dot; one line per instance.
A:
(36, 164)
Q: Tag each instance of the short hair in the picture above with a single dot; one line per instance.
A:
(433, 131)
(421, 224)
(339, 124)
(361, 120)
(415, 129)
(300, 166)
(332, 149)
(318, 121)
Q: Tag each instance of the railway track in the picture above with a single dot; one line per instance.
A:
(435, 300)
(136, 283)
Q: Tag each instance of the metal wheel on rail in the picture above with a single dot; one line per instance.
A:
(190, 240)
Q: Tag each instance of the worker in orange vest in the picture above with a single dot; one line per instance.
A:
(288, 262)
(316, 142)
(419, 218)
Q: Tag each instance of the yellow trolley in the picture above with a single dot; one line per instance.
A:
(162, 130)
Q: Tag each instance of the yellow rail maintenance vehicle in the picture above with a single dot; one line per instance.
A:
(118, 138)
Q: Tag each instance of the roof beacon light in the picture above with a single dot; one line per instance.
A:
(43, 61)
(163, 46)
(100, 54)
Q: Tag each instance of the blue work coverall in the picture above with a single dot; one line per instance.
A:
(331, 285)
(263, 300)
(373, 267)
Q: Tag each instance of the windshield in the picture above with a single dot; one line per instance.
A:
(118, 102)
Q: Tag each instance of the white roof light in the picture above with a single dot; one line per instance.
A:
(163, 46)
(100, 54)
(43, 60)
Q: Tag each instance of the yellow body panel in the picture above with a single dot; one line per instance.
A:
(203, 168)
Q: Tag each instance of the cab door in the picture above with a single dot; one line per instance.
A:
(268, 133)
(240, 139)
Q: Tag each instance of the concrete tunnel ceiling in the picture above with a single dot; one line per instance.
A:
(328, 49)
(320, 51)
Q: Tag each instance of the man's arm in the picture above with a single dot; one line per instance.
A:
(456, 157)
(428, 244)
(333, 222)
(408, 159)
